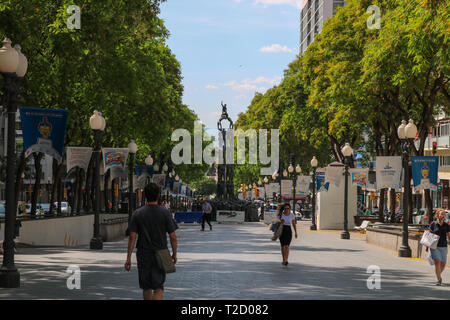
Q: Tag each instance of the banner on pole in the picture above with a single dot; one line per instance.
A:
(388, 170)
(334, 175)
(321, 185)
(144, 170)
(359, 176)
(302, 186)
(113, 157)
(176, 188)
(78, 157)
(425, 172)
(44, 130)
(159, 179)
(286, 187)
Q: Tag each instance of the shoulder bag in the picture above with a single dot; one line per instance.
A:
(429, 239)
(163, 257)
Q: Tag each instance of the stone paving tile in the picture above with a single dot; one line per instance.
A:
(234, 262)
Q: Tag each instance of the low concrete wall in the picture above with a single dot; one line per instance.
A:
(70, 231)
(392, 240)
(67, 231)
(113, 226)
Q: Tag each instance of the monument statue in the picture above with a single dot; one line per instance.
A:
(225, 183)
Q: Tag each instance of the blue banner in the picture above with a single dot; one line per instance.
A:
(44, 130)
(425, 172)
(320, 182)
(140, 170)
(176, 188)
(169, 183)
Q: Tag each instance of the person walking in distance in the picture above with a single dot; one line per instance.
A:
(206, 216)
(287, 219)
(156, 221)
(439, 255)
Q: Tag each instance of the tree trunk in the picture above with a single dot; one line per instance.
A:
(76, 190)
(19, 181)
(60, 196)
(88, 189)
(381, 207)
(37, 183)
(113, 195)
(57, 171)
(392, 204)
(410, 200)
(428, 206)
(79, 199)
(106, 190)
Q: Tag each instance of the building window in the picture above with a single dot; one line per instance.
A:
(337, 4)
(445, 129)
(444, 161)
(441, 130)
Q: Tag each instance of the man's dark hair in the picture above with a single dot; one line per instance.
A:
(152, 192)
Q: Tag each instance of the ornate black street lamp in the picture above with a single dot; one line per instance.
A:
(294, 173)
(266, 181)
(165, 170)
(13, 67)
(406, 134)
(347, 151)
(97, 123)
(132, 148)
(314, 164)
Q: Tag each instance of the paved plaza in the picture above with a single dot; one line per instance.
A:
(234, 261)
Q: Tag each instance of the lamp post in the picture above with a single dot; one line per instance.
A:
(165, 170)
(132, 148)
(274, 178)
(148, 162)
(177, 178)
(406, 134)
(294, 173)
(314, 164)
(13, 67)
(266, 180)
(97, 123)
(347, 151)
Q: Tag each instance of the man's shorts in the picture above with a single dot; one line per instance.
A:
(150, 275)
(440, 253)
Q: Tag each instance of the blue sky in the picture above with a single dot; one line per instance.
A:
(230, 49)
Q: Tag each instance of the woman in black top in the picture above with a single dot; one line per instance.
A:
(439, 255)
(287, 219)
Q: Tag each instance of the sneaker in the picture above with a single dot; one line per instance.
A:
(202, 230)
(439, 283)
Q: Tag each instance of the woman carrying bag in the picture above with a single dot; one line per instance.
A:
(439, 255)
(287, 219)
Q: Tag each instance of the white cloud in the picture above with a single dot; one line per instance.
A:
(259, 84)
(211, 87)
(275, 48)
(252, 84)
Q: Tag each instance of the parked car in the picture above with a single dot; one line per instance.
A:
(45, 207)
(65, 208)
(419, 216)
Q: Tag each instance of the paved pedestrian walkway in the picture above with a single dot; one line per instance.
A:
(236, 262)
